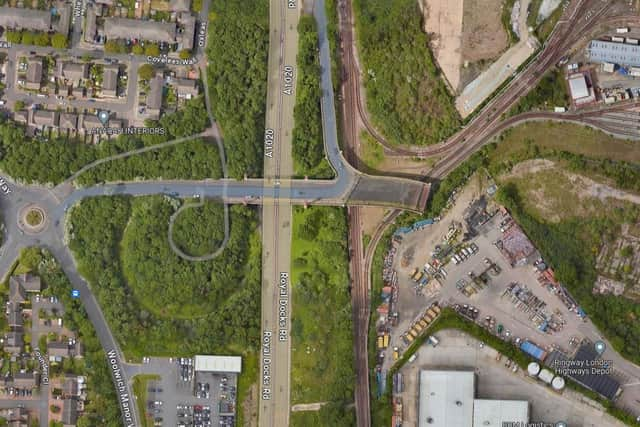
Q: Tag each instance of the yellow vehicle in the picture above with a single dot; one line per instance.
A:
(413, 333)
(418, 327)
(423, 323)
(396, 355)
(431, 313)
(409, 338)
(436, 308)
(386, 341)
(427, 318)
(380, 342)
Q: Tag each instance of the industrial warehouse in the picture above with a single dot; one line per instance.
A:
(447, 398)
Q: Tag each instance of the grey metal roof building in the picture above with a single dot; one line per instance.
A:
(603, 384)
(119, 28)
(32, 19)
(617, 53)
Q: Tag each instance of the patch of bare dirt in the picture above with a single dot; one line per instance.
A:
(483, 36)
(250, 407)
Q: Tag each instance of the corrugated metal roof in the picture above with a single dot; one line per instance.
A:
(618, 53)
(219, 364)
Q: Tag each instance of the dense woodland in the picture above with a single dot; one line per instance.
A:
(155, 302)
(51, 161)
(199, 230)
(308, 144)
(237, 50)
(406, 97)
(102, 406)
(550, 92)
(320, 273)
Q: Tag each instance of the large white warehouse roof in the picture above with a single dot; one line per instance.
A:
(219, 364)
(446, 398)
(498, 413)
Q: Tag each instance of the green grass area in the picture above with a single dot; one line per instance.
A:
(140, 385)
(546, 27)
(199, 230)
(406, 96)
(574, 138)
(307, 140)
(195, 160)
(35, 160)
(237, 49)
(534, 9)
(155, 302)
(507, 7)
(321, 333)
(550, 92)
(247, 379)
(553, 195)
(371, 152)
(330, 415)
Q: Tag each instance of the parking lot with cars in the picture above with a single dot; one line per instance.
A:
(186, 398)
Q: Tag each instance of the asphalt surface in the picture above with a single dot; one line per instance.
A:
(282, 191)
(277, 215)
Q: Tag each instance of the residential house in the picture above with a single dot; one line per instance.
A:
(64, 11)
(14, 342)
(73, 72)
(25, 380)
(69, 121)
(34, 73)
(187, 34)
(70, 386)
(16, 417)
(20, 284)
(180, 5)
(154, 98)
(90, 25)
(25, 19)
(90, 121)
(186, 88)
(58, 350)
(69, 412)
(110, 80)
(78, 92)
(45, 118)
(121, 28)
(15, 318)
(21, 116)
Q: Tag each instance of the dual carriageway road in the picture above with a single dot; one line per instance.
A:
(275, 361)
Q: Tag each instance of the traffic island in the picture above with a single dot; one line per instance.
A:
(32, 219)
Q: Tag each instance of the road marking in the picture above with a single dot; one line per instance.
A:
(4, 187)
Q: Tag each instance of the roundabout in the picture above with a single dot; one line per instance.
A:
(32, 219)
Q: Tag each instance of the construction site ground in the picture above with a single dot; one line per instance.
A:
(483, 37)
(482, 87)
(554, 194)
(488, 300)
(466, 36)
(443, 23)
(459, 351)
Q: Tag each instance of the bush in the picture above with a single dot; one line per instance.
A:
(237, 52)
(406, 97)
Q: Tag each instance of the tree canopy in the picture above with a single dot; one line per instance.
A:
(406, 97)
(237, 52)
